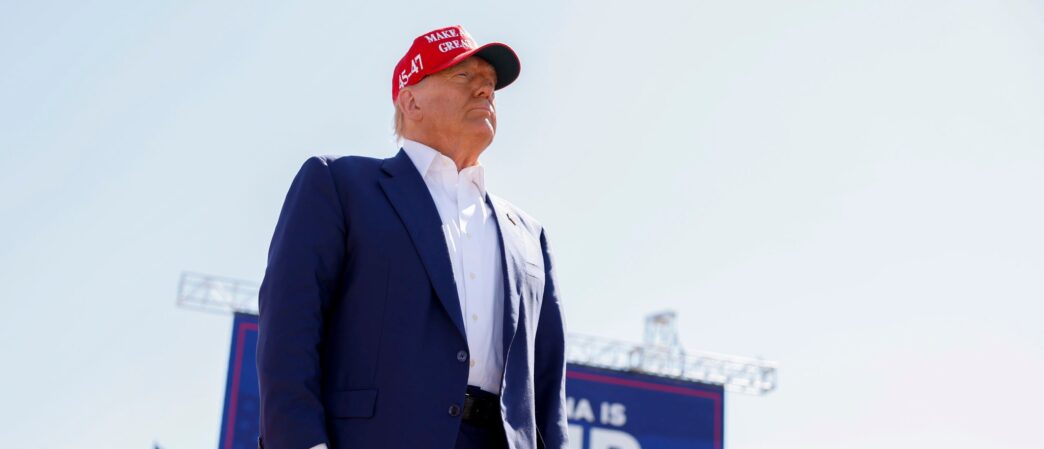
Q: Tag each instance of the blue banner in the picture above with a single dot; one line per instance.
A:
(239, 422)
(616, 410)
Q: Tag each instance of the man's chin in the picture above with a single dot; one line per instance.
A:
(484, 131)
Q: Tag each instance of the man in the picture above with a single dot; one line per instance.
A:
(403, 306)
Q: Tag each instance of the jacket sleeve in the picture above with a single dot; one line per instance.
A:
(304, 263)
(550, 364)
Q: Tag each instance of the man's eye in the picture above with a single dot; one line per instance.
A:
(463, 74)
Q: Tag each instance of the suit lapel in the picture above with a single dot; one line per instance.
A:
(411, 199)
(507, 224)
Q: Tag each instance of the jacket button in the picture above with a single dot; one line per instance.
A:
(462, 355)
(454, 410)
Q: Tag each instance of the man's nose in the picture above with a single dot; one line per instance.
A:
(485, 90)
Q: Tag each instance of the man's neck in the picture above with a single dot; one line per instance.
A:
(462, 154)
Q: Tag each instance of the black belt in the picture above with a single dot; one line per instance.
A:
(481, 407)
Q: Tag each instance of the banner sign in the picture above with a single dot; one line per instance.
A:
(239, 422)
(618, 410)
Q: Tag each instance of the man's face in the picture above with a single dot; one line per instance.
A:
(458, 101)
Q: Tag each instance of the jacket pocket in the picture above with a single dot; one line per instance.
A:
(535, 270)
(352, 403)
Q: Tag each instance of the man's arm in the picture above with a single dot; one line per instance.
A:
(549, 369)
(304, 264)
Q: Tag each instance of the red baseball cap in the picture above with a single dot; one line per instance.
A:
(445, 47)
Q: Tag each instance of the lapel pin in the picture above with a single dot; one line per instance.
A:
(512, 220)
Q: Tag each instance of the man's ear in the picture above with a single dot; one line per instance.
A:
(407, 103)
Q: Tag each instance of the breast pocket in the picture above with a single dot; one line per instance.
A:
(534, 257)
(534, 280)
(533, 267)
(535, 270)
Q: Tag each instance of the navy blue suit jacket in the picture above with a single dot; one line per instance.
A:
(361, 331)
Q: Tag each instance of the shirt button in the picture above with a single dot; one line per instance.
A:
(462, 355)
(472, 363)
(454, 410)
(471, 275)
(474, 317)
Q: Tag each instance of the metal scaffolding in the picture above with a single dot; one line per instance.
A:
(735, 374)
(217, 294)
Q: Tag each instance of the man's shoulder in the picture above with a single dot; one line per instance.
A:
(350, 162)
(344, 166)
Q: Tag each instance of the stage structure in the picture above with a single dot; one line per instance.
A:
(653, 395)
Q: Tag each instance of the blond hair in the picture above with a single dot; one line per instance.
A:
(398, 123)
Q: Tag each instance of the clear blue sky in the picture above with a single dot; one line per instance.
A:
(851, 188)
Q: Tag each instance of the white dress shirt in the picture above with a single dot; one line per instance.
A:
(474, 251)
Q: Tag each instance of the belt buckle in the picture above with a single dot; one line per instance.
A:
(469, 404)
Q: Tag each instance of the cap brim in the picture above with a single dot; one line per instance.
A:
(500, 56)
(503, 60)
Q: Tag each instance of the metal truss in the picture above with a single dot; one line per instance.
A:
(217, 294)
(660, 355)
(736, 374)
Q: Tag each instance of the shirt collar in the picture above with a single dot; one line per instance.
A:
(430, 161)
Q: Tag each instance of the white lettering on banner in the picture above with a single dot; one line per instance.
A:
(610, 413)
(440, 35)
(579, 410)
(416, 65)
(611, 439)
(614, 414)
(576, 437)
(601, 439)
